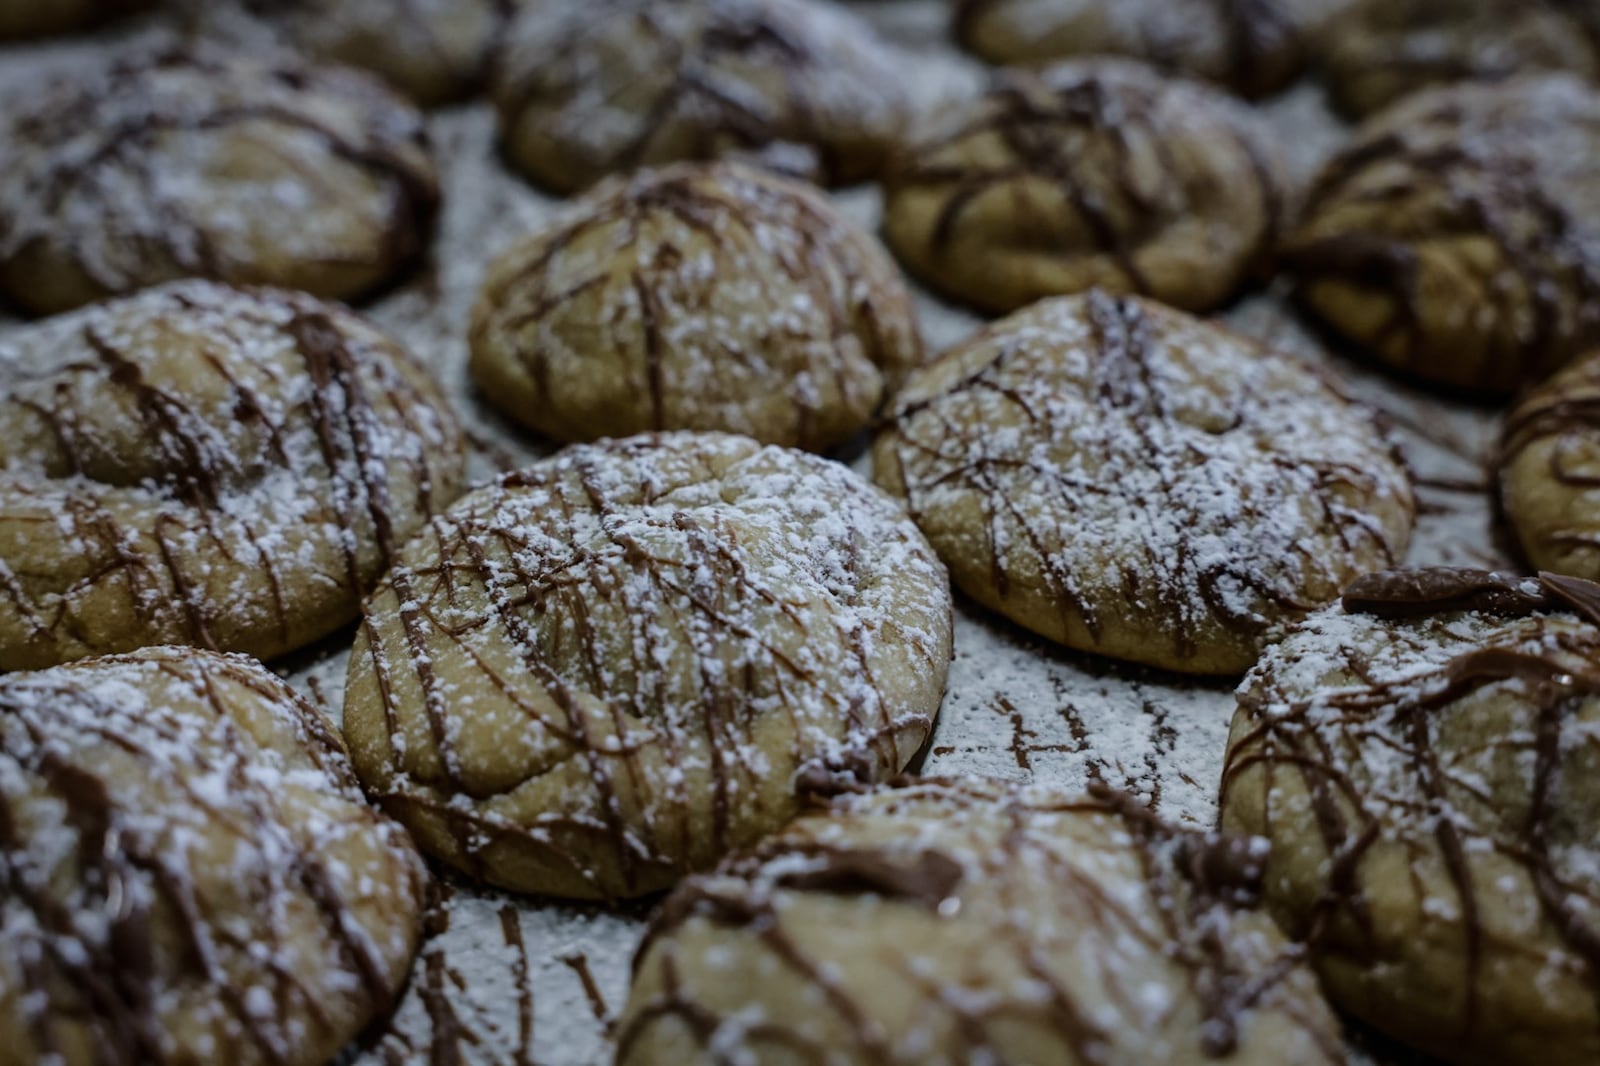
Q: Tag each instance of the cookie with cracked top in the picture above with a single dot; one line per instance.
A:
(944, 922)
(587, 88)
(1549, 471)
(1456, 237)
(198, 464)
(609, 669)
(189, 162)
(191, 873)
(1130, 481)
(1094, 173)
(1378, 51)
(1425, 762)
(1252, 47)
(700, 296)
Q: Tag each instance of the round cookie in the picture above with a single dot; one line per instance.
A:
(1099, 173)
(1426, 766)
(700, 296)
(1252, 47)
(189, 164)
(1457, 238)
(190, 872)
(1130, 481)
(434, 51)
(28, 18)
(587, 88)
(944, 922)
(1550, 471)
(609, 669)
(197, 464)
(1380, 50)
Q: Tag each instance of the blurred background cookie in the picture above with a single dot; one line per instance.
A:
(611, 668)
(970, 921)
(1251, 47)
(1380, 50)
(28, 18)
(700, 296)
(587, 88)
(1550, 471)
(215, 164)
(1100, 173)
(1428, 771)
(191, 873)
(1457, 237)
(204, 465)
(1130, 481)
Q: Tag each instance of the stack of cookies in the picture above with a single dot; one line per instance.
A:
(698, 435)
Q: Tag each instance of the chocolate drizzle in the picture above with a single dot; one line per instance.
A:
(1549, 465)
(223, 468)
(188, 870)
(1051, 887)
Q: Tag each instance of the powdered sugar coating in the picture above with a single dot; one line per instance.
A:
(1430, 788)
(190, 872)
(1131, 481)
(206, 465)
(591, 87)
(967, 921)
(698, 296)
(612, 667)
(185, 162)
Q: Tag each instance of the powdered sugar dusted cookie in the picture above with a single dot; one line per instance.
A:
(205, 465)
(1253, 47)
(588, 88)
(1457, 237)
(700, 296)
(611, 668)
(210, 163)
(1127, 480)
(966, 921)
(1550, 471)
(1093, 173)
(190, 872)
(1380, 50)
(1426, 764)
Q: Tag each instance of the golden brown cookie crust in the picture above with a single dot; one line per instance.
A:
(966, 921)
(1130, 481)
(204, 465)
(1550, 471)
(587, 88)
(190, 871)
(609, 669)
(701, 296)
(1455, 238)
(1428, 783)
(1095, 173)
(185, 162)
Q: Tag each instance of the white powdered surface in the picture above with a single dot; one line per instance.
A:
(520, 981)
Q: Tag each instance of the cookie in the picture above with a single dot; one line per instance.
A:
(197, 464)
(1381, 50)
(699, 296)
(1549, 471)
(1130, 481)
(29, 18)
(1456, 239)
(434, 51)
(190, 872)
(587, 88)
(188, 163)
(943, 922)
(1099, 173)
(1252, 47)
(1425, 764)
(609, 669)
